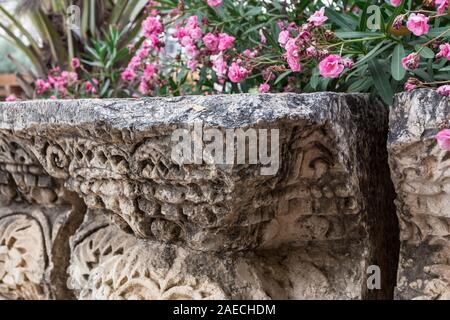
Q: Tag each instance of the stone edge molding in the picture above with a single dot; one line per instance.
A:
(420, 171)
(92, 206)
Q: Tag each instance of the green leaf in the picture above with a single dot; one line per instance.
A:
(340, 19)
(378, 49)
(314, 78)
(360, 85)
(356, 34)
(426, 52)
(282, 76)
(397, 70)
(381, 81)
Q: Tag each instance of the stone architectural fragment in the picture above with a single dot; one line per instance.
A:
(421, 174)
(36, 220)
(308, 230)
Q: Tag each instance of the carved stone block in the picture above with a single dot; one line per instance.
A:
(36, 221)
(421, 174)
(328, 209)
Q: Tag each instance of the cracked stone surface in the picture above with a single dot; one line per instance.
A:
(153, 228)
(421, 174)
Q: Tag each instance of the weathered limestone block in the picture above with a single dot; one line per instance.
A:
(36, 221)
(328, 209)
(421, 174)
(108, 263)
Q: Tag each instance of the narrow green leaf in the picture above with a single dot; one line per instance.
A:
(397, 70)
(381, 81)
(282, 76)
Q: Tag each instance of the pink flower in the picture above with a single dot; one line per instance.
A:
(396, 3)
(214, 3)
(143, 53)
(294, 64)
(11, 98)
(411, 61)
(152, 26)
(52, 98)
(410, 85)
(444, 90)
(444, 51)
(191, 51)
(442, 5)
(75, 63)
(318, 18)
(192, 22)
(264, 88)
(42, 86)
(292, 55)
(128, 75)
(195, 33)
(283, 37)
(90, 87)
(311, 51)
(143, 87)
(225, 41)
(250, 54)
(237, 73)
(211, 42)
(443, 139)
(135, 63)
(348, 63)
(192, 64)
(219, 66)
(332, 66)
(149, 71)
(418, 24)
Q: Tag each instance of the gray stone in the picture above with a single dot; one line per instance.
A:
(421, 174)
(327, 210)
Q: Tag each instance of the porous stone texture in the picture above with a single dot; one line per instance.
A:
(157, 229)
(421, 174)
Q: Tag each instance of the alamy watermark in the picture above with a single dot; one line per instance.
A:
(198, 145)
(73, 20)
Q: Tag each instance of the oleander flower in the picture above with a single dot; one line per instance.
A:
(264, 88)
(331, 66)
(225, 42)
(444, 90)
(128, 75)
(418, 24)
(75, 63)
(441, 5)
(211, 41)
(443, 139)
(396, 3)
(214, 3)
(11, 98)
(292, 55)
(411, 61)
(283, 37)
(318, 18)
(237, 73)
(444, 51)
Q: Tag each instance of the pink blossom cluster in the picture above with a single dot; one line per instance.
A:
(59, 82)
(141, 67)
(188, 34)
(300, 42)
